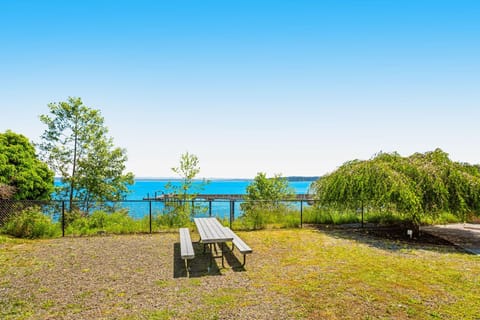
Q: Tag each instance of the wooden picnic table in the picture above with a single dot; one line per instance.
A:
(211, 233)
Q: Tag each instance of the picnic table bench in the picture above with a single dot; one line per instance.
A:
(242, 247)
(186, 246)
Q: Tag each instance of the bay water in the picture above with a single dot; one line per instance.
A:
(144, 188)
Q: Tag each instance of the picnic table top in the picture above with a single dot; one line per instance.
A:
(212, 231)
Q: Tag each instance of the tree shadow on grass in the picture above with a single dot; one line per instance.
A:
(390, 238)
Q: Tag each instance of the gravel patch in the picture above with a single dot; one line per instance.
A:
(134, 277)
(331, 273)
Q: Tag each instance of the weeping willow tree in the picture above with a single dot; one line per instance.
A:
(369, 185)
(416, 186)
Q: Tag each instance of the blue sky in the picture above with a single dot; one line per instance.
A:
(290, 87)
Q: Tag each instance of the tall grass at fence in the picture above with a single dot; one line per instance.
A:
(332, 216)
(314, 215)
(261, 217)
(100, 221)
(329, 216)
(31, 223)
(34, 222)
(45, 221)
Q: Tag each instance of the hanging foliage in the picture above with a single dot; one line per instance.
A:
(422, 184)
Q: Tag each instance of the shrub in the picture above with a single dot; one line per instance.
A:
(263, 200)
(256, 218)
(31, 223)
(79, 226)
(263, 215)
(175, 215)
(116, 222)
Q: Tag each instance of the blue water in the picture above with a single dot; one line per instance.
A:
(144, 188)
(150, 187)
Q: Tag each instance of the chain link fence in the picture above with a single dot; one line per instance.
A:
(10, 208)
(143, 216)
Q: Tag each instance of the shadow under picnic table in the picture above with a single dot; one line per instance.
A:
(198, 266)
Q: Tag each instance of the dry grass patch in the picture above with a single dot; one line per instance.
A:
(292, 274)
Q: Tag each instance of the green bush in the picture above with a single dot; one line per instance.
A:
(31, 223)
(261, 216)
(175, 215)
(256, 218)
(100, 221)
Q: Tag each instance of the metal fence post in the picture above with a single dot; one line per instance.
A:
(232, 212)
(150, 215)
(63, 218)
(301, 213)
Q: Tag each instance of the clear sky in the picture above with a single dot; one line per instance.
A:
(293, 87)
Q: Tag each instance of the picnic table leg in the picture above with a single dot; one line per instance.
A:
(186, 268)
(244, 260)
(213, 247)
(211, 256)
(222, 248)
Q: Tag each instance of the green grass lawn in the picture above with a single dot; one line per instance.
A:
(292, 274)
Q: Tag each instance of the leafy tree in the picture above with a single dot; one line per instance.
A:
(368, 185)
(187, 170)
(263, 197)
(422, 185)
(22, 174)
(274, 189)
(179, 210)
(76, 145)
